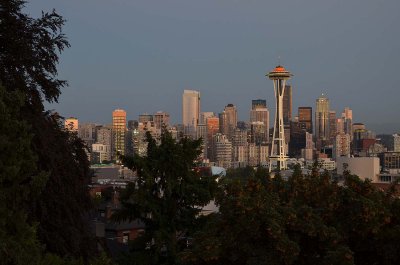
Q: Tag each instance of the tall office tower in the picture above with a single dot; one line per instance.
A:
(239, 137)
(287, 105)
(361, 138)
(332, 126)
(341, 146)
(347, 117)
(161, 119)
(347, 113)
(140, 135)
(278, 147)
(308, 152)
(228, 120)
(258, 103)
(131, 137)
(339, 126)
(297, 139)
(212, 129)
(243, 125)
(305, 119)
(205, 115)
(145, 117)
(71, 124)
(257, 155)
(287, 111)
(396, 142)
(259, 133)
(87, 132)
(133, 124)
(190, 111)
(104, 137)
(322, 121)
(240, 155)
(119, 132)
(260, 113)
(201, 132)
(222, 150)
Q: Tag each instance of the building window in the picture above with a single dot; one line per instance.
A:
(125, 237)
(386, 178)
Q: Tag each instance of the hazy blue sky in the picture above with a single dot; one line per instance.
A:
(140, 55)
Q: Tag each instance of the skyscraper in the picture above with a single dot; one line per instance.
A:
(205, 115)
(332, 126)
(212, 129)
(119, 130)
(222, 150)
(104, 137)
(260, 113)
(228, 120)
(341, 146)
(258, 103)
(161, 119)
(322, 120)
(347, 117)
(287, 105)
(396, 142)
(190, 111)
(278, 147)
(145, 117)
(305, 119)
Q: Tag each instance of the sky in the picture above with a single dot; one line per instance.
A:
(139, 55)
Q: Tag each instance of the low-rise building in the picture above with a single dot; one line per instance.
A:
(364, 167)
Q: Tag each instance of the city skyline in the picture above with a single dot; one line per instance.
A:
(223, 50)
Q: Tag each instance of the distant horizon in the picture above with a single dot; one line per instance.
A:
(378, 128)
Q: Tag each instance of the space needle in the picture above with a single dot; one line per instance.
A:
(278, 147)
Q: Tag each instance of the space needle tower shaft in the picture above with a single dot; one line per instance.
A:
(278, 146)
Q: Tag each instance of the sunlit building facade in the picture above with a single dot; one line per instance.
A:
(228, 120)
(71, 124)
(119, 132)
(190, 111)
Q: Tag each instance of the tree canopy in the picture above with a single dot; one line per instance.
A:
(51, 170)
(308, 219)
(167, 197)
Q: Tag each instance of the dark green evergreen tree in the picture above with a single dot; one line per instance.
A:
(166, 197)
(18, 242)
(29, 50)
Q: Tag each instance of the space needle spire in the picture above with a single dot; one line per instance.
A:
(278, 147)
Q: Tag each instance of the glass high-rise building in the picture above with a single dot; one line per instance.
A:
(322, 119)
(119, 132)
(287, 105)
(305, 119)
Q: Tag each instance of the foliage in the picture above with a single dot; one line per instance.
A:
(306, 220)
(166, 197)
(29, 50)
(18, 243)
